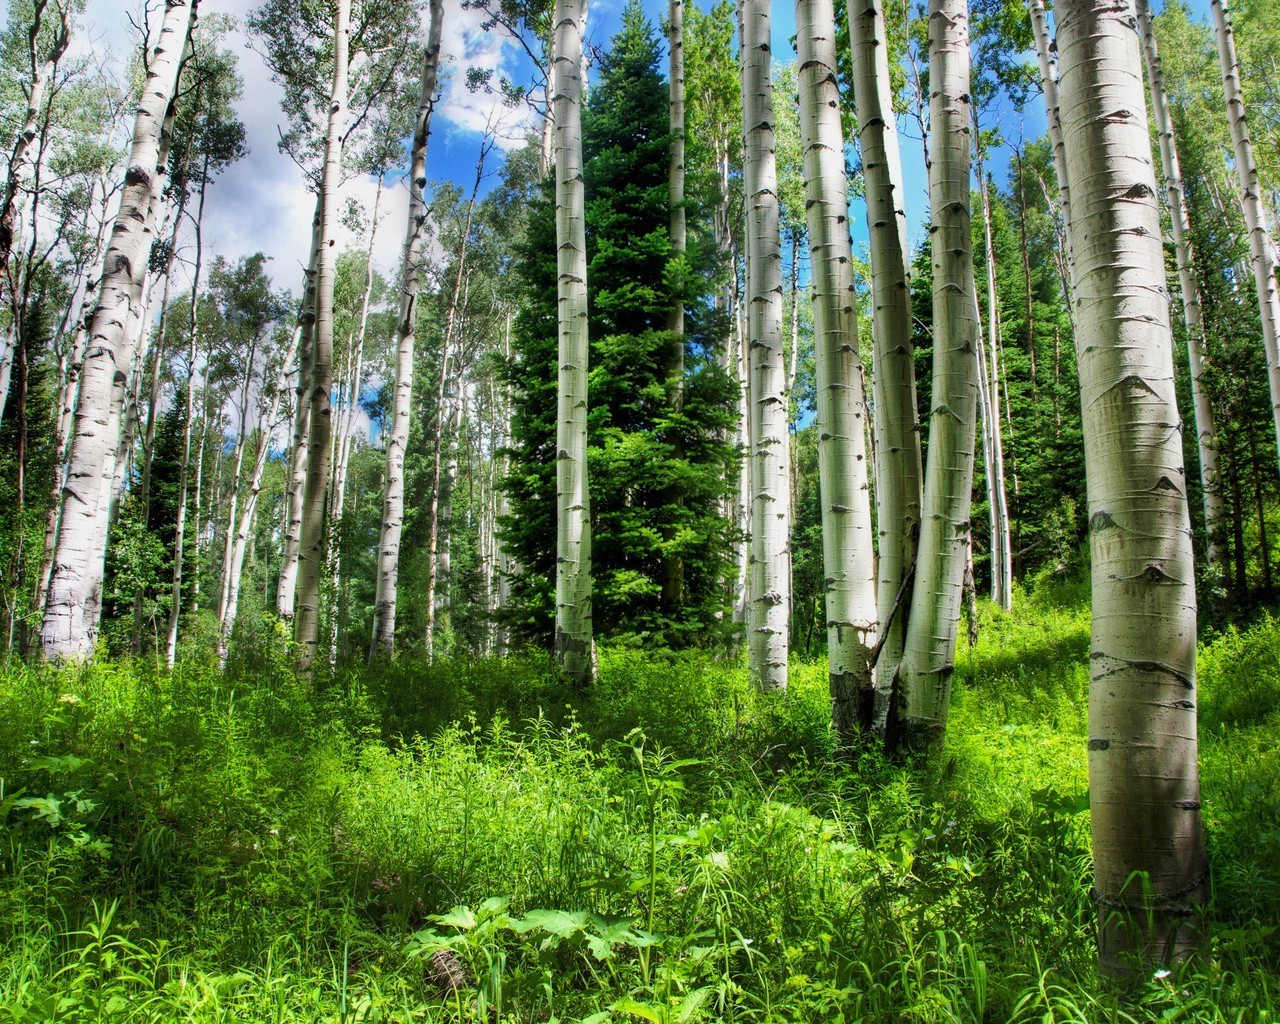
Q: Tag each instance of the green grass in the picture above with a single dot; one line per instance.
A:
(669, 847)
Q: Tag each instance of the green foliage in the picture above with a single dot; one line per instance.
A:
(670, 847)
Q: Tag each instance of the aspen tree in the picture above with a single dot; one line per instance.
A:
(306, 626)
(897, 424)
(929, 654)
(673, 574)
(847, 543)
(67, 630)
(1192, 312)
(388, 565)
(573, 634)
(1047, 57)
(768, 591)
(1261, 251)
(1150, 871)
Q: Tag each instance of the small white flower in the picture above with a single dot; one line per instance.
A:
(1161, 974)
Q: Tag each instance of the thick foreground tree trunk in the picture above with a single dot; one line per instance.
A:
(848, 550)
(928, 660)
(68, 627)
(574, 644)
(769, 554)
(1149, 864)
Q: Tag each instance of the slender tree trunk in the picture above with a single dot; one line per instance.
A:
(848, 552)
(574, 646)
(384, 608)
(928, 659)
(1047, 55)
(1001, 547)
(897, 423)
(78, 563)
(306, 627)
(1150, 871)
(1262, 253)
(768, 593)
(673, 564)
(1192, 313)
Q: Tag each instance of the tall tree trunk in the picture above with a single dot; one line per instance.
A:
(1192, 312)
(1262, 253)
(1047, 55)
(768, 593)
(384, 605)
(1001, 548)
(928, 659)
(1150, 871)
(574, 645)
(306, 626)
(848, 551)
(78, 562)
(897, 423)
(673, 564)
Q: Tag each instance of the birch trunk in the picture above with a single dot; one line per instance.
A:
(67, 631)
(1001, 547)
(847, 545)
(929, 655)
(1192, 312)
(574, 645)
(384, 606)
(311, 560)
(768, 592)
(1150, 871)
(1046, 54)
(897, 422)
(1261, 252)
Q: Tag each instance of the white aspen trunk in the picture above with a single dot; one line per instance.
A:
(295, 491)
(769, 591)
(237, 466)
(1046, 54)
(384, 606)
(1192, 312)
(848, 550)
(311, 550)
(928, 659)
(574, 645)
(742, 511)
(20, 157)
(240, 530)
(1001, 546)
(67, 631)
(1261, 252)
(180, 527)
(673, 564)
(897, 423)
(1150, 871)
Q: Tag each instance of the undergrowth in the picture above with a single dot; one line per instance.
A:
(670, 847)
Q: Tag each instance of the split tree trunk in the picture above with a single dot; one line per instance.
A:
(848, 552)
(929, 656)
(574, 645)
(306, 626)
(769, 553)
(897, 423)
(1192, 312)
(1150, 871)
(67, 631)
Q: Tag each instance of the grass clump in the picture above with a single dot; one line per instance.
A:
(668, 847)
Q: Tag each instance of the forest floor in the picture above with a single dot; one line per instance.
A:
(193, 847)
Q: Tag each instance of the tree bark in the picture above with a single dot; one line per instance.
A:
(574, 645)
(67, 631)
(1261, 250)
(769, 554)
(1047, 56)
(1149, 863)
(673, 564)
(897, 422)
(311, 549)
(847, 542)
(1192, 312)
(928, 659)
